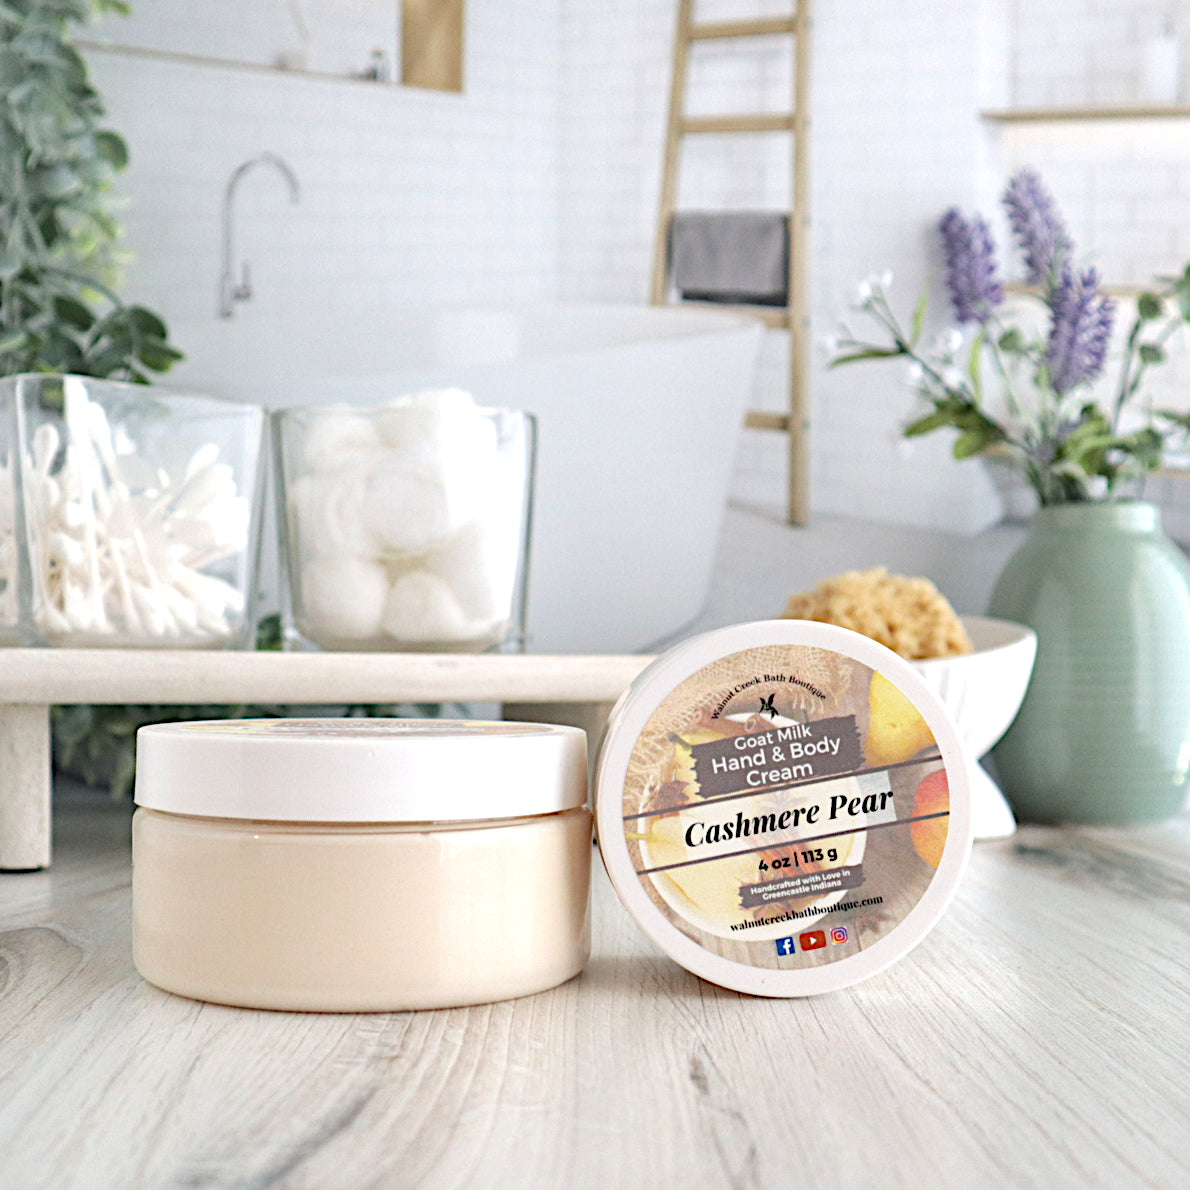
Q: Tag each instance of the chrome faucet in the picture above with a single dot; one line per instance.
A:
(229, 291)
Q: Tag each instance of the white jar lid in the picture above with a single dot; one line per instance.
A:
(360, 770)
(783, 806)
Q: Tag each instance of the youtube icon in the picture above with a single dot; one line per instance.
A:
(814, 940)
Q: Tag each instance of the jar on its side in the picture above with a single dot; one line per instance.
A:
(360, 865)
(360, 917)
(783, 806)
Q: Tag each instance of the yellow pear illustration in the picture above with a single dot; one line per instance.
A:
(896, 730)
(714, 887)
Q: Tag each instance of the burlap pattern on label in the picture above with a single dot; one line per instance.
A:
(726, 903)
(691, 704)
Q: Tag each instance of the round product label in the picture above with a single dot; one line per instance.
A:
(786, 807)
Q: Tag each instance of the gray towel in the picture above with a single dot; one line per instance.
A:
(731, 256)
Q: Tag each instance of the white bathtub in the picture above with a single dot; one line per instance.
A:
(638, 415)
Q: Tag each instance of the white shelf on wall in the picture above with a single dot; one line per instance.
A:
(578, 690)
(1059, 115)
(182, 58)
(1017, 288)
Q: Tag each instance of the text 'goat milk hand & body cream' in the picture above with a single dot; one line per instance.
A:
(355, 865)
(783, 806)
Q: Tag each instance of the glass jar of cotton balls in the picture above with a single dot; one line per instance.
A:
(404, 527)
(128, 515)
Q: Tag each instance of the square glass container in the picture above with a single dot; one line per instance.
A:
(131, 514)
(405, 526)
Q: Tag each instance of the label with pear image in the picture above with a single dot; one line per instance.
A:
(786, 806)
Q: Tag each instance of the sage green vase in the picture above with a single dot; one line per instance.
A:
(1104, 732)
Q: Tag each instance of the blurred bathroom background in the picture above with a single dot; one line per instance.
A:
(537, 183)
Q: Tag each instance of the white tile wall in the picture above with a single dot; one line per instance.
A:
(406, 194)
(1079, 52)
(541, 181)
(897, 138)
(1123, 186)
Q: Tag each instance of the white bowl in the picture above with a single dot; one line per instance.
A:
(983, 691)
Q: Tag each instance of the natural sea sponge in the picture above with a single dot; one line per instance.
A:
(909, 615)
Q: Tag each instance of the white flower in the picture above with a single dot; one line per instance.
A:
(952, 378)
(863, 294)
(948, 343)
(830, 344)
(914, 375)
(885, 279)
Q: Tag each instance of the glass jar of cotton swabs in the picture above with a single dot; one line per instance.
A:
(131, 514)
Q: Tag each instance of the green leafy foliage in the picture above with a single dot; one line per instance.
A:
(1092, 449)
(867, 353)
(58, 239)
(1012, 342)
(1182, 294)
(1149, 306)
(1069, 448)
(97, 744)
(977, 431)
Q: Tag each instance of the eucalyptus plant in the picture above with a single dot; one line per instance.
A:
(1027, 397)
(59, 241)
(59, 258)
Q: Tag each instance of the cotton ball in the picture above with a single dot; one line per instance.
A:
(409, 419)
(422, 609)
(428, 489)
(327, 514)
(342, 598)
(463, 441)
(479, 565)
(442, 433)
(336, 436)
(411, 509)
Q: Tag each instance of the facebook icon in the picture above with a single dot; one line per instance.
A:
(785, 946)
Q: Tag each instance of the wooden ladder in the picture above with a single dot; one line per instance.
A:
(795, 316)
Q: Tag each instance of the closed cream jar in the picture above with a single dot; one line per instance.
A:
(358, 865)
(783, 806)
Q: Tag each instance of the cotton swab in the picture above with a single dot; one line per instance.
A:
(121, 563)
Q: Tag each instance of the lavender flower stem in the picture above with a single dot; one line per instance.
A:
(1038, 228)
(1010, 396)
(1130, 380)
(1126, 388)
(975, 289)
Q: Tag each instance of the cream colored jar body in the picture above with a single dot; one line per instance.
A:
(356, 917)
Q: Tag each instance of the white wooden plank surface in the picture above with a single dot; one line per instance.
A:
(1038, 1038)
(193, 676)
(552, 689)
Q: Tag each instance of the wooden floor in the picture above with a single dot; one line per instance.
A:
(1040, 1037)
